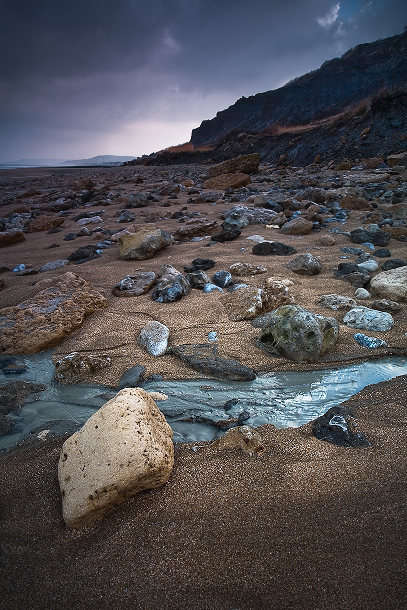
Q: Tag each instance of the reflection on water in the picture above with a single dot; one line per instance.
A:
(282, 399)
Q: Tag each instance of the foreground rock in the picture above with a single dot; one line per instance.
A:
(49, 317)
(368, 319)
(143, 244)
(299, 334)
(125, 447)
(337, 426)
(242, 437)
(205, 359)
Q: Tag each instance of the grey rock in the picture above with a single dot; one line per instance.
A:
(368, 319)
(305, 264)
(143, 244)
(197, 279)
(393, 263)
(362, 293)
(277, 248)
(52, 265)
(154, 338)
(386, 305)
(222, 279)
(132, 378)
(138, 200)
(126, 216)
(336, 301)
(298, 334)
(134, 285)
(205, 359)
(170, 290)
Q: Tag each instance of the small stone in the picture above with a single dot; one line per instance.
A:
(305, 264)
(134, 285)
(242, 437)
(362, 293)
(222, 279)
(154, 338)
(370, 342)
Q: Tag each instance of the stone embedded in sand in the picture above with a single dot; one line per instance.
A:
(245, 303)
(368, 319)
(225, 181)
(134, 285)
(154, 338)
(10, 237)
(355, 203)
(246, 164)
(138, 200)
(246, 269)
(337, 426)
(195, 227)
(241, 437)
(76, 367)
(171, 289)
(125, 447)
(305, 264)
(204, 358)
(298, 334)
(336, 301)
(297, 226)
(143, 244)
(277, 248)
(49, 317)
(45, 223)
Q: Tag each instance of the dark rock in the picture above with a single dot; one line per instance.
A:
(226, 235)
(298, 334)
(134, 285)
(382, 253)
(138, 200)
(386, 305)
(336, 426)
(199, 264)
(171, 289)
(14, 369)
(377, 238)
(350, 250)
(393, 263)
(246, 164)
(7, 361)
(230, 403)
(205, 359)
(126, 217)
(70, 236)
(132, 378)
(222, 279)
(197, 279)
(84, 253)
(265, 248)
(346, 269)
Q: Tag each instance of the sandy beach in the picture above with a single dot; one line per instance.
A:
(305, 525)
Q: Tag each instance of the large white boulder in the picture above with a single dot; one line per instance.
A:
(125, 447)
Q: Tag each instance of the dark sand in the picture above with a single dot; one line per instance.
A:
(306, 525)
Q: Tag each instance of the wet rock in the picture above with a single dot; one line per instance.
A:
(171, 289)
(133, 377)
(336, 301)
(197, 279)
(375, 237)
(49, 317)
(305, 264)
(143, 244)
(386, 305)
(337, 426)
(154, 338)
(225, 181)
(370, 342)
(200, 264)
(10, 237)
(391, 284)
(13, 396)
(243, 437)
(205, 359)
(247, 269)
(76, 367)
(299, 334)
(45, 223)
(227, 234)
(134, 285)
(195, 227)
(222, 279)
(368, 319)
(125, 447)
(297, 226)
(246, 164)
(393, 263)
(277, 248)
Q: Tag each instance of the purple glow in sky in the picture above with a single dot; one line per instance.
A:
(79, 78)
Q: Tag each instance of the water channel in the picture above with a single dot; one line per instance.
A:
(283, 399)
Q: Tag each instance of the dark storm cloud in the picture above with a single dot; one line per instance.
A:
(100, 66)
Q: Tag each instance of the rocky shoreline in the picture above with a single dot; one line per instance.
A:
(302, 512)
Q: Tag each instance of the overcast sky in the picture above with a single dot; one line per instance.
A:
(79, 78)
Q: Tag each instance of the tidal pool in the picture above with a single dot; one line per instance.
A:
(287, 399)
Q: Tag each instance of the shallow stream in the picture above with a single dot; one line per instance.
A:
(283, 399)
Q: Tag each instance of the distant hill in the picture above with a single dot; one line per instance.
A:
(341, 82)
(99, 160)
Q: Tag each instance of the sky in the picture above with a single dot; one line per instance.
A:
(80, 78)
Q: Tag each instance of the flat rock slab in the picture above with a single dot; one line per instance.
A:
(125, 447)
(205, 359)
(134, 285)
(50, 316)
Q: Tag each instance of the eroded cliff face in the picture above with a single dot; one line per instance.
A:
(359, 74)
